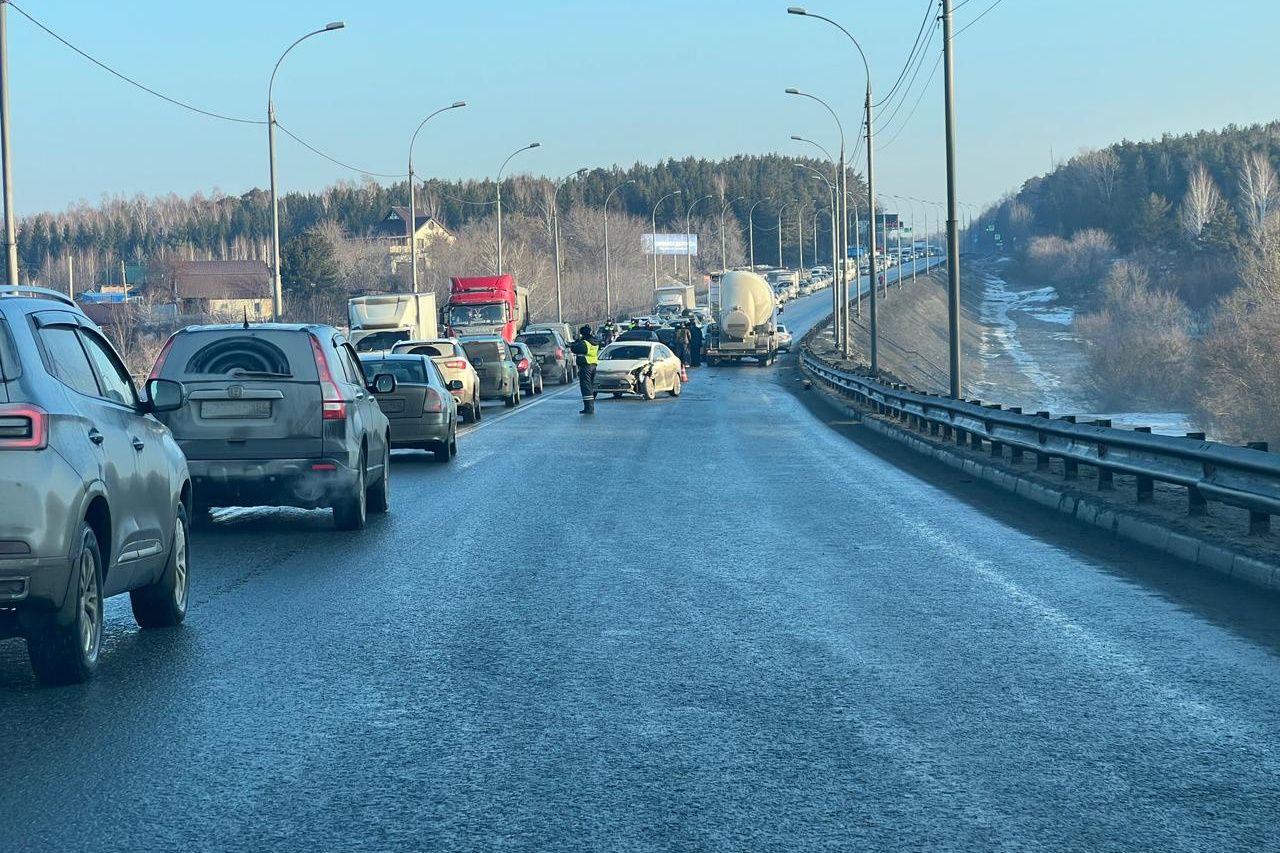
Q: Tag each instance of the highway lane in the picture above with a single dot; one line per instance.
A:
(704, 623)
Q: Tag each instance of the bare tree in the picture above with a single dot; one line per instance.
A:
(1200, 202)
(1103, 168)
(1259, 189)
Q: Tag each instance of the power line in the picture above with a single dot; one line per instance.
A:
(907, 121)
(127, 79)
(979, 18)
(911, 56)
(915, 74)
(333, 160)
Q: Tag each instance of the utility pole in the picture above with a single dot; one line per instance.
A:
(871, 239)
(953, 246)
(800, 236)
(6, 151)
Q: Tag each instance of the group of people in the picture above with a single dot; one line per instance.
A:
(686, 344)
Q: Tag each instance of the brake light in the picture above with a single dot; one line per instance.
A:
(164, 353)
(434, 402)
(23, 427)
(523, 365)
(456, 364)
(559, 353)
(332, 406)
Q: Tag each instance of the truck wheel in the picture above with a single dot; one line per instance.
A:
(69, 654)
(163, 604)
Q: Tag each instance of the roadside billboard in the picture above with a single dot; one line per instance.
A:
(669, 244)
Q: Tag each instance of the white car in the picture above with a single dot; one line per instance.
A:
(638, 367)
(784, 339)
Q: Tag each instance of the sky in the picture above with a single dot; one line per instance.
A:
(604, 83)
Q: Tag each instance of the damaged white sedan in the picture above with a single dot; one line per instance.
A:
(646, 368)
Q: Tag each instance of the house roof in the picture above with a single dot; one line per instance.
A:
(223, 280)
(393, 224)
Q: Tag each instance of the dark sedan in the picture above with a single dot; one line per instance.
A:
(421, 410)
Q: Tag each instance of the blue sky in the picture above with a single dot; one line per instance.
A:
(599, 83)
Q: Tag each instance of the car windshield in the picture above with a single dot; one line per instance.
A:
(627, 353)
(467, 315)
(380, 341)
(222, 354)
(404, 370)
(539, 340)
(427, 349)
(481, 351)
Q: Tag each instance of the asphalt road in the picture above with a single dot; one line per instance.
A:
(711, 623)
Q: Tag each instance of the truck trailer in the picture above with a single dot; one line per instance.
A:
(745, 323)
(377, 323)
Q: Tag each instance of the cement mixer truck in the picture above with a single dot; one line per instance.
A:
(745, 324)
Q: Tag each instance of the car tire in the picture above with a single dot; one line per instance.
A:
(648, 389)
(617, 395)
(469, 412)
(540, 388)
(477, 409)
(378, 496)
(444, 451)
(163, 604)
(675, 388)
(69, 654)
(351, 512)
(566, 377)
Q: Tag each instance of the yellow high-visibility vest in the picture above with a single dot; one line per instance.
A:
(593, 352)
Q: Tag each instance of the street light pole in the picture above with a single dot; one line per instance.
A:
(781, 208)
(688, 226)
(413, 199)
(608, 283)
(6, 153)
(555, 228)
(502, 168)
(871, 180)
(751, 231)
(953, 244)
(654, 234)
(839, 315)
(277, 292)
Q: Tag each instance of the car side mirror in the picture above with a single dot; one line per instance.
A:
(165, 395)
(455, 385)
(384, 383)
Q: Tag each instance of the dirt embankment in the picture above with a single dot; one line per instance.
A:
(913, 332)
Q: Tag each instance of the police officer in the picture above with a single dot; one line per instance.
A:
(587, 350)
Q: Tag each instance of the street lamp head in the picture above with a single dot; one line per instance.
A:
(335, 25)
(793, 91)
(797, 138)
(457, 104)
(582, 171)
(677, 192)
(796, 10)
(534, 145)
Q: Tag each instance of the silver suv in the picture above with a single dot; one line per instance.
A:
(95, 491)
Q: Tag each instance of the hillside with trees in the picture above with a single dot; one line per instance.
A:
(1174, 245)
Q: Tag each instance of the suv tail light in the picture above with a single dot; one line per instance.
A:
(332, 406)
(23, 427)
(456, 364)
(559, 353)
(523, 364)
(164, 353)
(434, 402)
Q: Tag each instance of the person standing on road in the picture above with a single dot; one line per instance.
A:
(695, 342)
(682, 343)
(587, 351)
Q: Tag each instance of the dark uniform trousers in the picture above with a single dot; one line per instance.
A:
(587, 382)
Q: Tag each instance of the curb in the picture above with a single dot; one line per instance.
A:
(1122, 523)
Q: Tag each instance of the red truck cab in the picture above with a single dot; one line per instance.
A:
(486, 305)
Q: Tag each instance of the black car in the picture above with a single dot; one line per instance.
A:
(552, 351)
(529, 368)
(279, 414)
(639, 335)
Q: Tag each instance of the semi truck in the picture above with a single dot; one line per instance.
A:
(745, 321)
(486, 305)
(377, 323)
(673, 299)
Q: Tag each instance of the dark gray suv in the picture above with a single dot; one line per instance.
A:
(94, 490)
(279, 414)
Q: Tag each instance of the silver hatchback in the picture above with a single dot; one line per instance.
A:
(95, 491)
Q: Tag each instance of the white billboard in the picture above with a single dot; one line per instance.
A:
(669, 244)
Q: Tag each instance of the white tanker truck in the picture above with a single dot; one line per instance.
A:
(745, 325)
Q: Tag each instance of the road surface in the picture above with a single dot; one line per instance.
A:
(707, 623)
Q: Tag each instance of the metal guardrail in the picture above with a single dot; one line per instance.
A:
(1245, 477)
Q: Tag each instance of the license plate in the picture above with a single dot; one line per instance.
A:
(235, 408)
(394, 404)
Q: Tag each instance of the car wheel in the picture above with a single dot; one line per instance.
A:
(163, 604)
(378, 496)
(540, 387)
(477, 409)
(567, 377)
(351, 512)
(675, 388)
(617, 395)
(648, 388)
(69, 654)
(469, 413)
